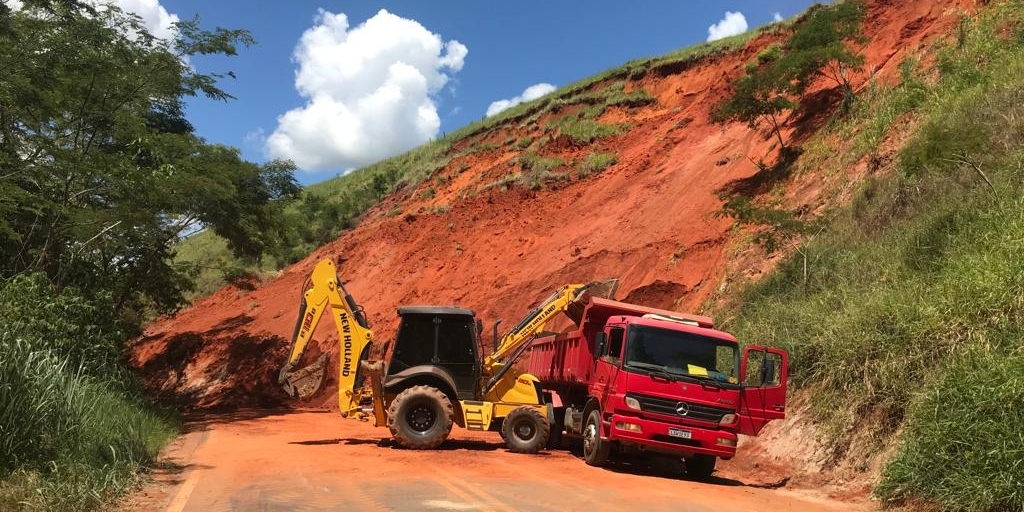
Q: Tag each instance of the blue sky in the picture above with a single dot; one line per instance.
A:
(505, 48)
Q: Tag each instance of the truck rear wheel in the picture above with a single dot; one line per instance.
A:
(525, 430)
(421, 417)
(595, 450)
(700, 466)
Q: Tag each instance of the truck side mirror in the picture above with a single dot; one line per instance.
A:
(768, 377)
(600, 341)
(768, 371)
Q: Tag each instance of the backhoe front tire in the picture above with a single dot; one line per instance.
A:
(421, 417)
(525, 430)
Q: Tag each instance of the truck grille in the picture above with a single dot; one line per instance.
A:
(671, 407)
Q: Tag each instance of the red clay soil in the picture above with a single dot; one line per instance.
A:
(648, 220)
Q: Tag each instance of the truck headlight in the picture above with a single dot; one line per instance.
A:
(728, 419)
(632, 403)
(631, 427)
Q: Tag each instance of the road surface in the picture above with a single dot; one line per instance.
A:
(315, 460)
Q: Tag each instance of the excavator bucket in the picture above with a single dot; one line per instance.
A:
(304, 382)
(603, 289)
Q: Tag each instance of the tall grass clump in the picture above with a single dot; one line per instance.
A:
(976, 453)
(74, 432)
(909, 308)
(585, 131)
(596, 162)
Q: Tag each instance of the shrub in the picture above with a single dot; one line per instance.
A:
(73, 429)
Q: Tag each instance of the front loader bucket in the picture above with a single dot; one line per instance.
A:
(602, 289)
(304, 382)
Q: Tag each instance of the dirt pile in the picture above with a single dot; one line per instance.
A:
(648, 220)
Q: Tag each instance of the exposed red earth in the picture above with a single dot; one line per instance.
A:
(648, 220)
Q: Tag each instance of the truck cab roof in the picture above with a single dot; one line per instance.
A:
(678, 326)
(601, 309)
(434, 310)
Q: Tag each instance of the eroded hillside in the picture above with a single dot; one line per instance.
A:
(490, 232)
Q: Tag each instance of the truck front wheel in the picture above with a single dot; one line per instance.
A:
(700, 466)
(595, 450)
(421, 417)
(525, 430)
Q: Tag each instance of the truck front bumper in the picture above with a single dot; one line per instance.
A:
(671, 438)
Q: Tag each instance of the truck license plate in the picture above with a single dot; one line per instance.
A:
(680, 433)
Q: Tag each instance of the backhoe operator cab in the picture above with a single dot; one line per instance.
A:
(433, 365)
(435, 343)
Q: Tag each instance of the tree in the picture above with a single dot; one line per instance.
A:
(100, 171)
(758, 95)
(822, 45)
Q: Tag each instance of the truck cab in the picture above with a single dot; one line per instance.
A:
(637, 380)
(670, 384)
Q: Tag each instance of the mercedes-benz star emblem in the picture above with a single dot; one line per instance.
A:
(682, 409)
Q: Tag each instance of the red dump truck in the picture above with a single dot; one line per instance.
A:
(633, 380)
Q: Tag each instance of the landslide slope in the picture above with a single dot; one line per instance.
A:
(514, 214)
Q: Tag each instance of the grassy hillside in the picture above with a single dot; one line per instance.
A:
(908, 308)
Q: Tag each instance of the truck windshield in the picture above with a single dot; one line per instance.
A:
(682, 353)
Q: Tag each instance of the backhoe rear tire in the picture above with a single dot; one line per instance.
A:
(525, 430)
(421, 417)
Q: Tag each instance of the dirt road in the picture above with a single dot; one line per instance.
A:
(319, 461)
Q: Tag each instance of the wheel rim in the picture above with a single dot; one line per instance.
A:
(589, 438)
(421, 418)
(525, 431)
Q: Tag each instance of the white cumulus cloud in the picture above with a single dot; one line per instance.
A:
(733, 24)
(529, 94)
(155, 17)
(370, 91)
(777, 17)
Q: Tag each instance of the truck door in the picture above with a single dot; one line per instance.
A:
(609, 357)
(763, 397)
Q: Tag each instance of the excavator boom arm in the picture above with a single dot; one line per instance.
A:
(564, 300)
(326, 293)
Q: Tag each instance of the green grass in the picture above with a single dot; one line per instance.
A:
(908, 309)
(976, 465)
(539, 164)
(595, 163)
(479, 148)
(585, 131)
(74, 431)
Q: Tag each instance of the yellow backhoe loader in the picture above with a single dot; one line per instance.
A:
(434, 376)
